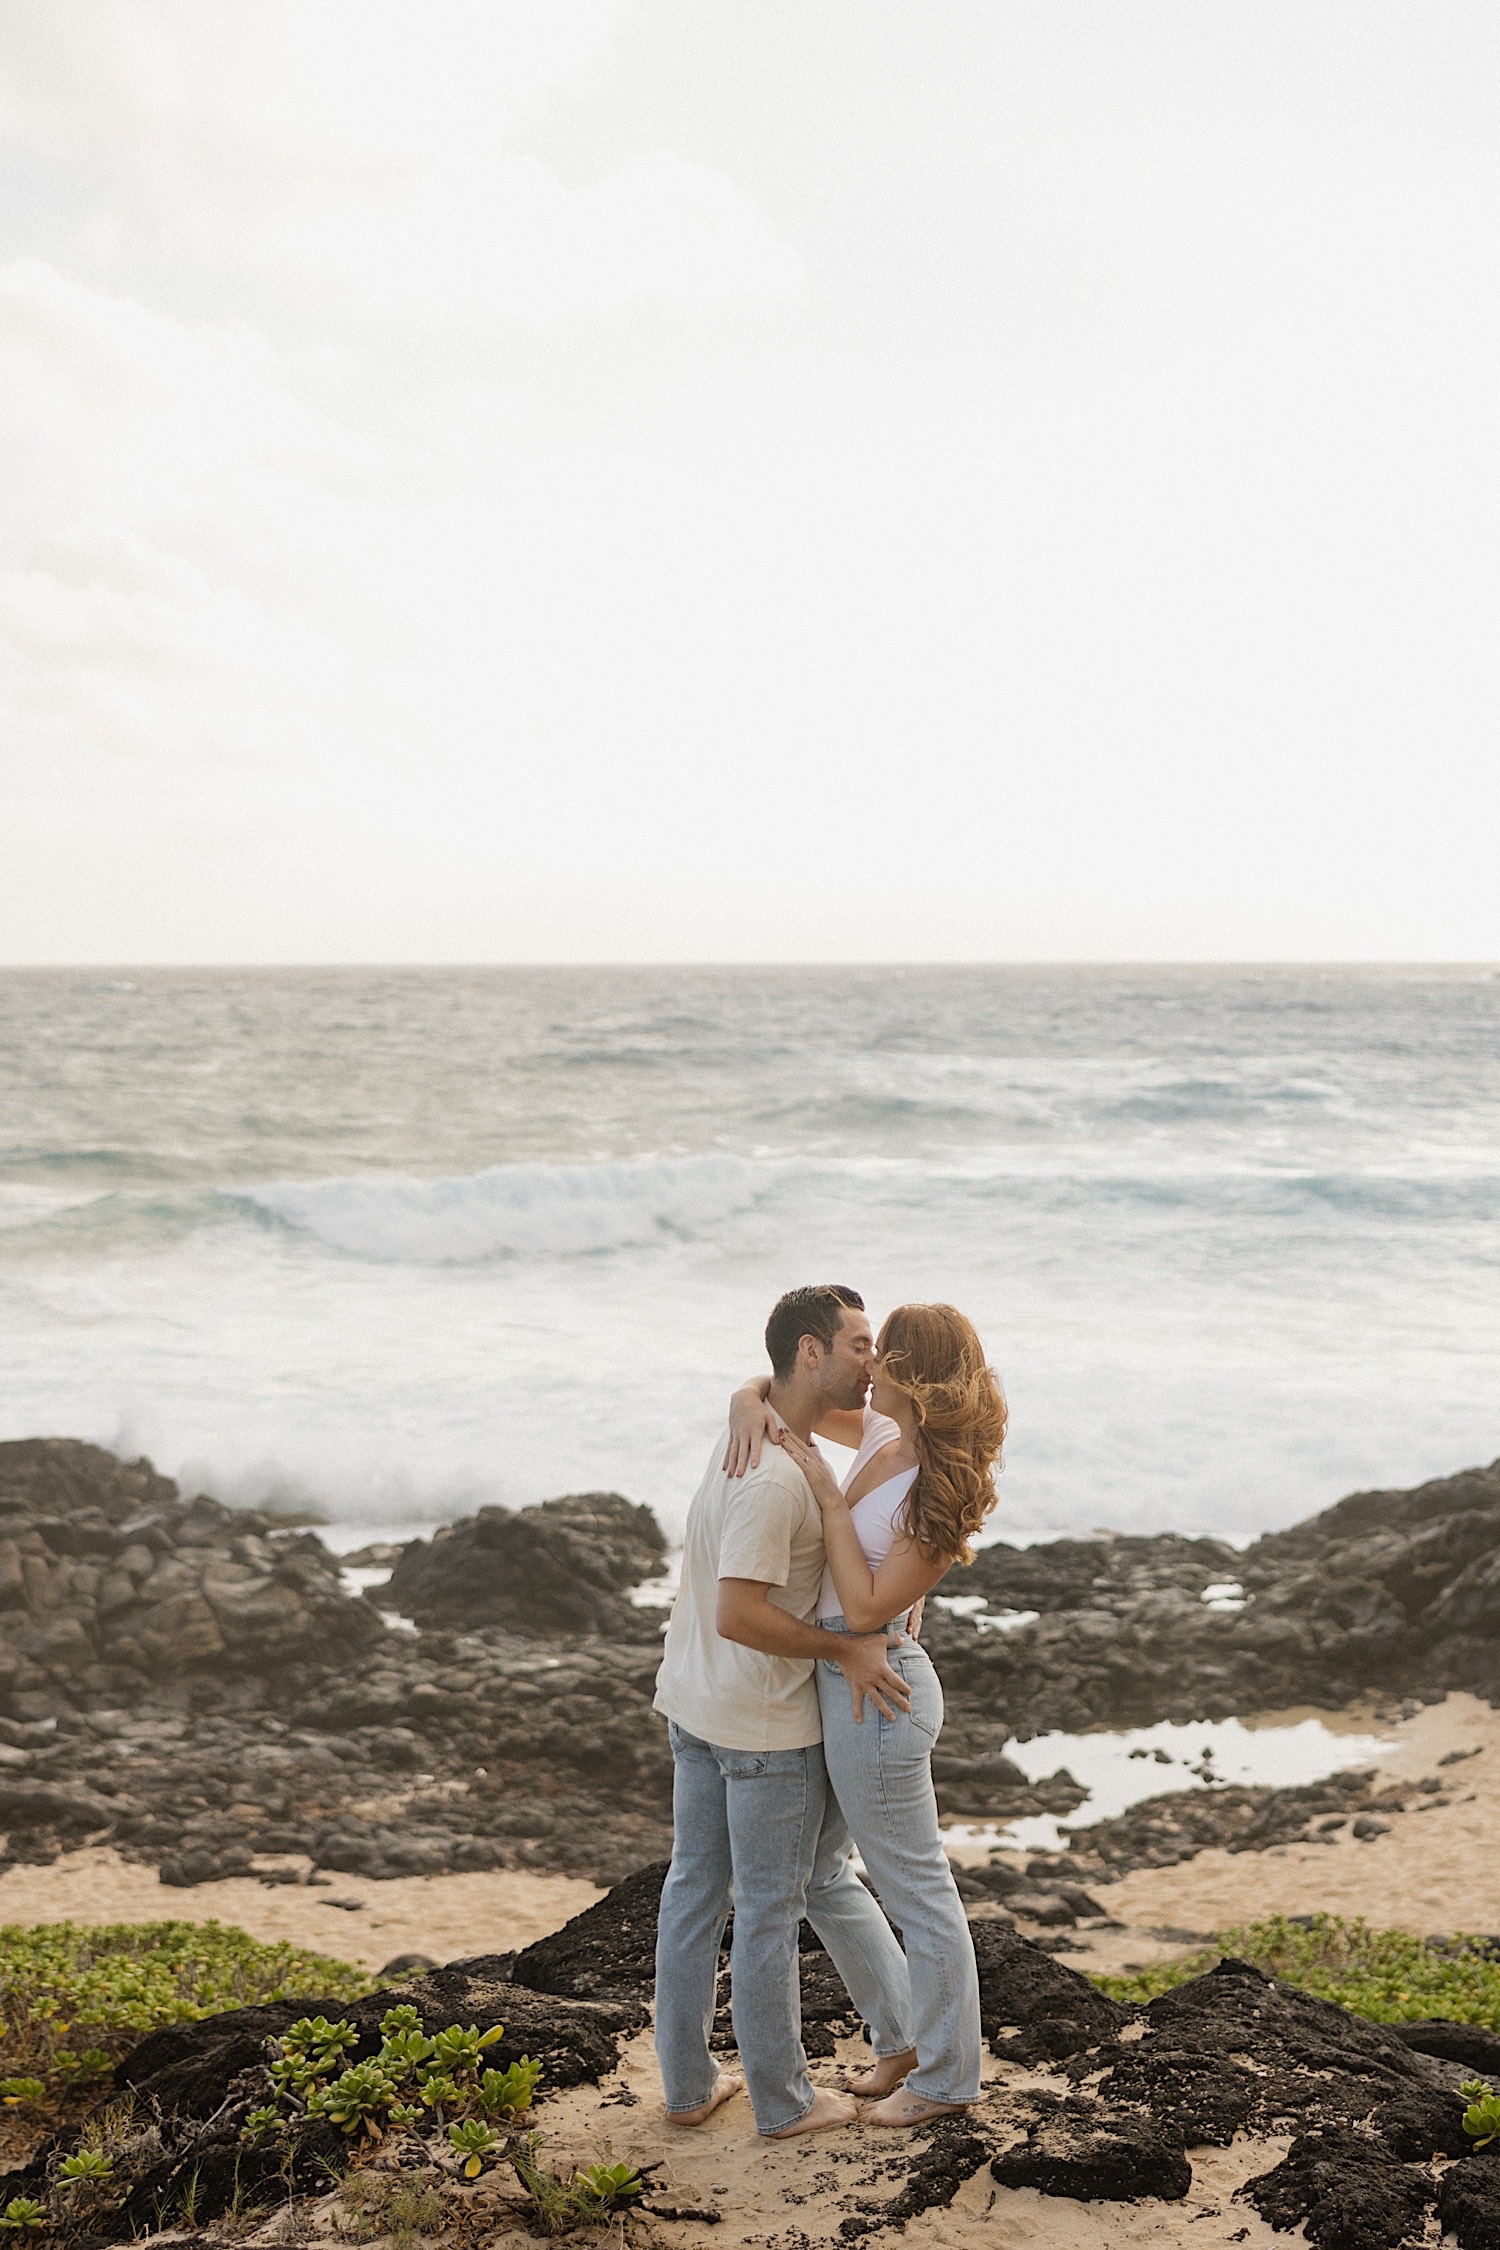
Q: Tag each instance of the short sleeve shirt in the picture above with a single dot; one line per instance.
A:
(766, 1526)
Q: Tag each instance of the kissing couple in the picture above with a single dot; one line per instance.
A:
(803, 1710)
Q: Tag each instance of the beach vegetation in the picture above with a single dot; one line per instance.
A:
(1482, 2117)
(1388, 1976)
(473, 2141)
(402, 2205)
(86, 2164)
(410, 2075)
(73, 2000)
(559, 2202)
(355, 2100)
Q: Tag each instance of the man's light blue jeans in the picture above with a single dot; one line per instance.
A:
(881, 1771)
(763, 1826)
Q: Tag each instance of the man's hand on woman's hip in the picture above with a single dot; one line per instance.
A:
(866, 1667)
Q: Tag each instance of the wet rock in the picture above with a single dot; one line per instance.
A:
(1346, 2190)
(564, 1567)
(1082, 2150)
(1160, 1831)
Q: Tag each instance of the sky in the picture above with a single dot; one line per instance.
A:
(750, 480)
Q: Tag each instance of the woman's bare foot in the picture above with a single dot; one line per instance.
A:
(726, 2086)
(884, 2075)
(904, 2109)
(827, 2109)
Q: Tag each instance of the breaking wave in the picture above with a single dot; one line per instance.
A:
(510, 1210)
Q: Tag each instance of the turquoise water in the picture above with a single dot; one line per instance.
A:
(399, 1241)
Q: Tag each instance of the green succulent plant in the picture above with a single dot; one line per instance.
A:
(23, 2215)
(510, 2089)
(474, 2141)
(22, 2093)
(403, 2053)
(439, 2091)
(87, 2164)
(460, 2052)
(354, 2099)
(607, 2187)
(262, 2125)
(1482, 2117)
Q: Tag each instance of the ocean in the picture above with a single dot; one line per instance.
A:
(392, 1243)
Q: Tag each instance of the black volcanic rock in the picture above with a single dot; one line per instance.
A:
(1469, 2201)
(1032, 2008)
(1347, 2191)
(1469, 2044)
(193, 1685)
(1097, 2155)
(110, 1583)
(1233, 2051)
(606, 1953)
(564, 1567)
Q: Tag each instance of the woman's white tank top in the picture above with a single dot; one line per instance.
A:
(875, 1517)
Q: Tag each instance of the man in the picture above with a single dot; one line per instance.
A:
(751, 1804)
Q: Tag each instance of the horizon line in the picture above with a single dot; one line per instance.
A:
(1009, 961)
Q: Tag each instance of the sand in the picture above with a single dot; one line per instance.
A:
(1435, 1871)
(447, 1917)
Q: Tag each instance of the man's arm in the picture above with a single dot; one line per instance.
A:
(751, 1421)
(747, 1614)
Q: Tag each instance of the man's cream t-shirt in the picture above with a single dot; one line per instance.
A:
(764, 1525)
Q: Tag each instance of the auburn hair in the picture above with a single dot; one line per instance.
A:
(933, 1354)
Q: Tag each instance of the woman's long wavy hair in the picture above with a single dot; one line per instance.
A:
(932, 1354)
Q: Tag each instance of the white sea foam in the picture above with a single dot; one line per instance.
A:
(516, 1210)
(1232, 1258)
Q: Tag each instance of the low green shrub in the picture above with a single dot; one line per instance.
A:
(1388, 1976)
(410, 2075)
(73, 1999)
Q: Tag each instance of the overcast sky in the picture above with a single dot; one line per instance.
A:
(748, 479)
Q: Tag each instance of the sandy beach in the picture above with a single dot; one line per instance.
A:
(1432, 1872)
(447, 1917)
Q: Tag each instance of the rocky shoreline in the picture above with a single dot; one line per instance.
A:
(1088, 2098)
(196, 1686)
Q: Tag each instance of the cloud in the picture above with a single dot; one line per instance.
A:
(176, 514)
(250, 347)
(355, 156)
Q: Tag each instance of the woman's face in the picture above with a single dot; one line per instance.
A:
(884, 1396)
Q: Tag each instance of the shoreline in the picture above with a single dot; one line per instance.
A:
(1443, 1880)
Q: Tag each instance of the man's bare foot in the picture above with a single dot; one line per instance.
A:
(884, 2075)
(904, 2109)
(827, 2109)
(726, 2086)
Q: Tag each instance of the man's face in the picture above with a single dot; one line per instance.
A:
(844, 1370)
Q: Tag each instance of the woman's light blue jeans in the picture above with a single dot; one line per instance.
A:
(881, 1771)
(764, 1823)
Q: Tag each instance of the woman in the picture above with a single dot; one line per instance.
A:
(921, 1485)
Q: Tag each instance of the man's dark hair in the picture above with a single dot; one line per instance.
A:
(807, 1312)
